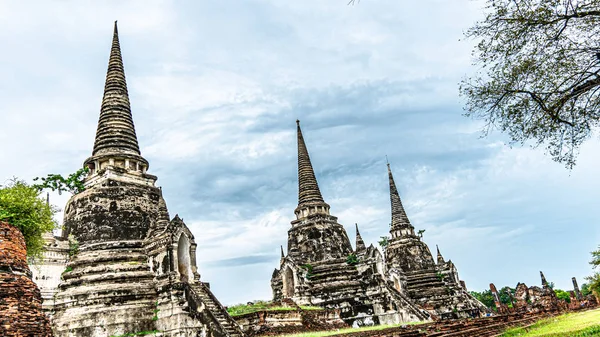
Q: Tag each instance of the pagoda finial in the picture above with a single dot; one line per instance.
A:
(308, 188)
(399, 217)
(360, 244)
(116, 132)
(440, 258)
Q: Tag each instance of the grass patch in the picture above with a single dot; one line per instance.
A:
(308, 307)
(580, 324)
(140, 333)
(242, 309)
(348, 330)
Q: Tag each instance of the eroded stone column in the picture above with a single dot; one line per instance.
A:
(502, 309)
(576, 289)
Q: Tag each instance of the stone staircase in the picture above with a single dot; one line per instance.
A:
(400, 297)
(229, 325)
(335, 276)
(425, 281)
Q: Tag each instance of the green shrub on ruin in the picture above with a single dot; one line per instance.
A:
(352, 260)
(73, 245)
(384, 242)
(309, 270)
(22, 206)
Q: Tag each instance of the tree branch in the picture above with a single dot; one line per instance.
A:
(542, 105)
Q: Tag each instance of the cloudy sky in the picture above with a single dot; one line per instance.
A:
(216, 87)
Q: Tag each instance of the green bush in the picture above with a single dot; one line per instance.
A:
(352, 260)
(563, 295)
(21, 206)
(309, 270)
(485, 297)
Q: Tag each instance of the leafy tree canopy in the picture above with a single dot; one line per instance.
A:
(563, 295)
(585, 289)
(539, 77)
(594, 280)
(21, 206)
(73, 183)
(505, 295)
(485, 297)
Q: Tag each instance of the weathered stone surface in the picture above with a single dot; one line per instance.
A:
(544, 299)
(135, 268)
(501, 307)
(21, 312)
(116, 132)
(522, 299)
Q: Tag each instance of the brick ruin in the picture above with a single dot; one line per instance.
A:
(501, 307)
(321, 268)
(20, 299)
(536, 300)
(135, 268)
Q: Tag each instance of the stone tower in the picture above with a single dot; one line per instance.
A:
(315, 234)
(135, 268)
(322, 269)
(405, 250)
(410, 265)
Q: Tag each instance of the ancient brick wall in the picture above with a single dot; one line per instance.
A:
(20, 300)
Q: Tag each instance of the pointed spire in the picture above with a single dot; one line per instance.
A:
(440, 258)
(360, 244)
(308, 188)
(282, 254)
(116, 133)
(544, 282)
(399, 217)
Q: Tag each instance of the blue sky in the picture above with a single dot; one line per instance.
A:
(216, 87)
